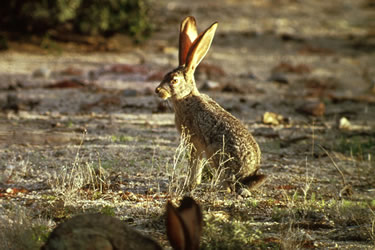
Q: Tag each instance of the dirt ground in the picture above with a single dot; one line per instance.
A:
(82, 130)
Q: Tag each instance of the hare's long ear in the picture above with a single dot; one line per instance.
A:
(184, 225)
(191, 215)
(199, 48)
(175, 228)
(188, 33)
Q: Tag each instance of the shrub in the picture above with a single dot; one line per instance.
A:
(88, 17)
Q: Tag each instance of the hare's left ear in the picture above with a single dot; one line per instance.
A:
(199, 48)
(188, 33)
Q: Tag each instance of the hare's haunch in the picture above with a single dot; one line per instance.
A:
(213, 131)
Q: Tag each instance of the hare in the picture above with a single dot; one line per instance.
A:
(211, 129)
(98, 231)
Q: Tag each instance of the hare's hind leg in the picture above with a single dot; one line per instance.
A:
(254, 181)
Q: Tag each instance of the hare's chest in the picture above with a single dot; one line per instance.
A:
(194, 116)
(185, 115)
(183, 122)
(188, 127)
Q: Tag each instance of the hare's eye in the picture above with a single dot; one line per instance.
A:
(174, 81)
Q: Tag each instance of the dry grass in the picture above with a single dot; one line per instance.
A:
(71, 182)
(180, 171)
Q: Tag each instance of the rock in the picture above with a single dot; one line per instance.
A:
(249, 75)
(289, 68)
(278, 77)
(273, 118)
(42, 72)
(211, 85)
(130, 92)
(312, 108)
(290, 37)
(244, 192)
(344, 124)
(70, 83)
(234, 88)
(72, 71)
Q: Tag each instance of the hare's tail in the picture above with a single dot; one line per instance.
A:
(254, 181)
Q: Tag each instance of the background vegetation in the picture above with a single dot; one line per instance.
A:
(89, 17)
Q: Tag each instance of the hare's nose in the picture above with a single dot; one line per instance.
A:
(157, 90)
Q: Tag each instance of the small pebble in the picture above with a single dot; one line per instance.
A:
(210, 85)
(43, 72)
(344, 124)
(278, 77)
(130, 92)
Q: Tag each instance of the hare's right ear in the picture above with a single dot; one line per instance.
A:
(188, 33)
(199, 48)
(184, 224)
